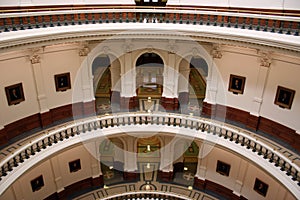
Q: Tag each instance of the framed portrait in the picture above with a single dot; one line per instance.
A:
(37, 183)
(236, 84)
(75, 165)
(261, 187)
(14, 94)
(284, 97)
(223, 168)
(62, 82)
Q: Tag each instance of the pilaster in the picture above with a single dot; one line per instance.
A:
(264, 59)
(86, 80)
(57, 174)
(240, 178)
(36, 64)
(212, 79)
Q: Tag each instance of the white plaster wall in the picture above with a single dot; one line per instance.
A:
(226, 157)
(275, 191)
(79, 152)
(23, 191)
(56, 61)
(284, 71)
(16, 68)
(25, 186)
(240, 63)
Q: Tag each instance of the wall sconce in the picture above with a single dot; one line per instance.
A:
(149, 99)
(148, 147)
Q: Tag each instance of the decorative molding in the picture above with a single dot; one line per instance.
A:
(195, 52)
(83, 49)
(172, 47)
(127, 46)
(35, 56)
(265, 58)
(106, 49)
(216, 51)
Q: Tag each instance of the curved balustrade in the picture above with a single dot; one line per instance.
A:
(198, 124)
(147, 195)
(258, 22)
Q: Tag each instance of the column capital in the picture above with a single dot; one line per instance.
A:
(216, 51)
(127, 46)
(264, 58)
(172, 47)
(83, 49)
(35, 55)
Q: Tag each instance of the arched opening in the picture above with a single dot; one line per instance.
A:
(106, 71)
(149, 80)
(192, 84)
(185, 164)
(148, 157)
(112, 160)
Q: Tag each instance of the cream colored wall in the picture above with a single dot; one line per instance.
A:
(16, 68)
(245, 62)
(58, 60)
(56, 175)
(284, 71)
(238, 63)
(244, 171)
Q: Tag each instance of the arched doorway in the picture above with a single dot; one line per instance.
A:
(149, 80)
(106, 71)
(192, 84)
(185, 164)
(148, 158)
(112, 160)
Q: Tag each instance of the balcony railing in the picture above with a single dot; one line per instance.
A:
(198, 124)
(42, 19)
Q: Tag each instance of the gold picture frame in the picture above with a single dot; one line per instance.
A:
(223, 168)
(260, 187)
(14, 94)
(37, 183)
(284, 97)
(62, 82)
(236, 84)
(74, 165)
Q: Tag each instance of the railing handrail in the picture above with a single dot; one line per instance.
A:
(170, 7)
(168, 194)
(139, 10)
(188, 119)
